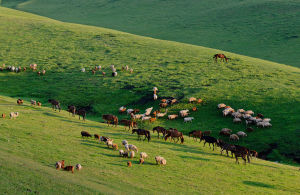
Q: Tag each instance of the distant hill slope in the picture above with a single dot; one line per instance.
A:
(32, 143)
(267, 29)
(178, 70)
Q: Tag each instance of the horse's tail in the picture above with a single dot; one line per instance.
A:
(149, 137)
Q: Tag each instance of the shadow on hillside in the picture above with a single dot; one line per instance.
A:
(264, 165)
(110, 155)
(258, 184)
(194, 158)
(77, 122)
(50, 114)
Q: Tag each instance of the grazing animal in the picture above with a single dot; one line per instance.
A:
(85, 134)
(140, 132)
(159, 115)
(96, 136)
(221, 56)
(209, 140)
(109, 143)
(142, 161)
(188, 119)
(199, 101)
(143, 155)
(152, 120)
(225, 146)
(78, 167)
(154, 97)
(33, 102)
(221, 105)
(124, 142)
(44, 72)
(39, 104)
(175, 134)
(241, 134)
(250, 129)
(128, 123)
(183, 113)
(110, 119)
(122, 109)
(148, 111)
(172, 116)
(104, 139)
(12, 115)
(3, 115)
(160, 160)
(163, 105)
(194, 109)
(206, 133)
(129, 164)
(131, 154)
(192, 99)
(39, 73)
(20, 101)
(241, 152)
(60, 164)
(160, 130)
(237, 120)
(130, 147)
(81, 113)
(224, 133)
(103, 73)
(55, 104)
(69, 168)
(82, 70)
(72, 110)
(196, 134)
(114, 74)
(253, 153)
(234, 137)
(259, 115)
(115, 146)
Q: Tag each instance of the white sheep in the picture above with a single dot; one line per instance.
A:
(143, 155)
(226, 130)
(122, 108)
(112, 66)
(148, 111)
(33, 102)
(109, 143)
(114, 70)
(124, 142)
(14, 115)
(99, 67)
(241, 110)
(237, 120)
(82, 70)
(131, 154)
(131, 70)
(114, 74)
(154, 96)
(78, 167)
(234, 137)
(160, 160)
(158, 115)
(137, 116)
(144, 118)
(249, 112)
(13, 68)
(221, 105)
(163, 162)
(236, 114)
(192, 99)
(188, 119)
(241, 134)
(266, 120)
(132, 147)
(172, 116)
(184, 113)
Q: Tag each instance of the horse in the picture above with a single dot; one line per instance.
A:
(128, 123)
(173, 133)
(221, 56)
(160, 130)
(81, 112)
(140, 132)
(209, 140)
(196, 134)
(55, 104)
(72, 109)
(110, 118)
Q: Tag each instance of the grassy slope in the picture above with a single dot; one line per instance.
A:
(178, 70)
(267, 29)
(32, 143)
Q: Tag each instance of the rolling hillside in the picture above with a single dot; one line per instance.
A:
(32, 143)
(267, 29)
(178, 70)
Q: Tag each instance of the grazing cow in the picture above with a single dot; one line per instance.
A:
(160, 130)
(96, 136)
(55, 104)
(209, 140)
(69, 168)
(81, 113)
(85, 134)
(128, 123)
(20, 101)
(110, 119)
(140, 132)
(175, 134)
(196, 134)
(72, 110)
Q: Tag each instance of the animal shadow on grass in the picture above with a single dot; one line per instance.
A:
(264, 165)
(194, 158)
(258, 184)
(50, 114)
(110, 155)
(67, 120)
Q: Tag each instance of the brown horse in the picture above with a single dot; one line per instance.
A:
(196, 134)
(221, 56)
(55, 104)
(128, 123)
(140, 132)
(175, 134)
(160, 130)
(110, 119)
(81, 112)
(72, 109)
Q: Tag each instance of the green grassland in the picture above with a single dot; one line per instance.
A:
(178, 70)
(32, 143)
(267, 29)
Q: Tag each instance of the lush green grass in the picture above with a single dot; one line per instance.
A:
(33, 142)
(178, 70)
(267, 29)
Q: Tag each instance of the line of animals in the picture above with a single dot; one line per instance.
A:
(112, 67)
(18, 69)
(61, 165)
(129, 151)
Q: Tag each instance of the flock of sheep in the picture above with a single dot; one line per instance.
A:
(19, 69)
(112, 67)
